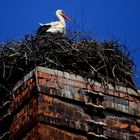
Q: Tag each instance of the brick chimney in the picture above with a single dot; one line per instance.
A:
(49, 104)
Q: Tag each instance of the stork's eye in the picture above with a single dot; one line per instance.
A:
(62, 12)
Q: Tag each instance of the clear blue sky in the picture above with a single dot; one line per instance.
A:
(106, 18)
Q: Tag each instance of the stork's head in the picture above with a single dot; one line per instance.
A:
(62, 13)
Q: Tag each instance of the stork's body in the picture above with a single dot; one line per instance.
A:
(55, 27)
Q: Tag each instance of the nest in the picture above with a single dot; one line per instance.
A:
(103, 61)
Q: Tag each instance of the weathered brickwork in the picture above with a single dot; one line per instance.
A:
(27, 116)
(47, 132)
(33, 134)
(54, 105)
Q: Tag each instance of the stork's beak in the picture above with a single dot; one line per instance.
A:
(66, 17)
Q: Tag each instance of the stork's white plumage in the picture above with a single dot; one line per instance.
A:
(55, 27)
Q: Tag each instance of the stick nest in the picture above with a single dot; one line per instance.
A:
(102, 61)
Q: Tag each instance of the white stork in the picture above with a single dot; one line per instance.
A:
(55, 27)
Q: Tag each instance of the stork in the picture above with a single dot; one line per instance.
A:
(55, 27)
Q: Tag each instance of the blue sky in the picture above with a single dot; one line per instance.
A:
(119, 19)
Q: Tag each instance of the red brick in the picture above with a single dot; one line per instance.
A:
(43, 75)
(42, 81)
(135, 129)
(47, 99)
(79, 138)
(68, 136)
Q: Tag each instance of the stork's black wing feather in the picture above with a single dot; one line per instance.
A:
(42, 29)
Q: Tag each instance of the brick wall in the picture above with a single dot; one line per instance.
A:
(47, 132)
(55, 105)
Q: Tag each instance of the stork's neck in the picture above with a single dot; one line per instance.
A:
(61, 19)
